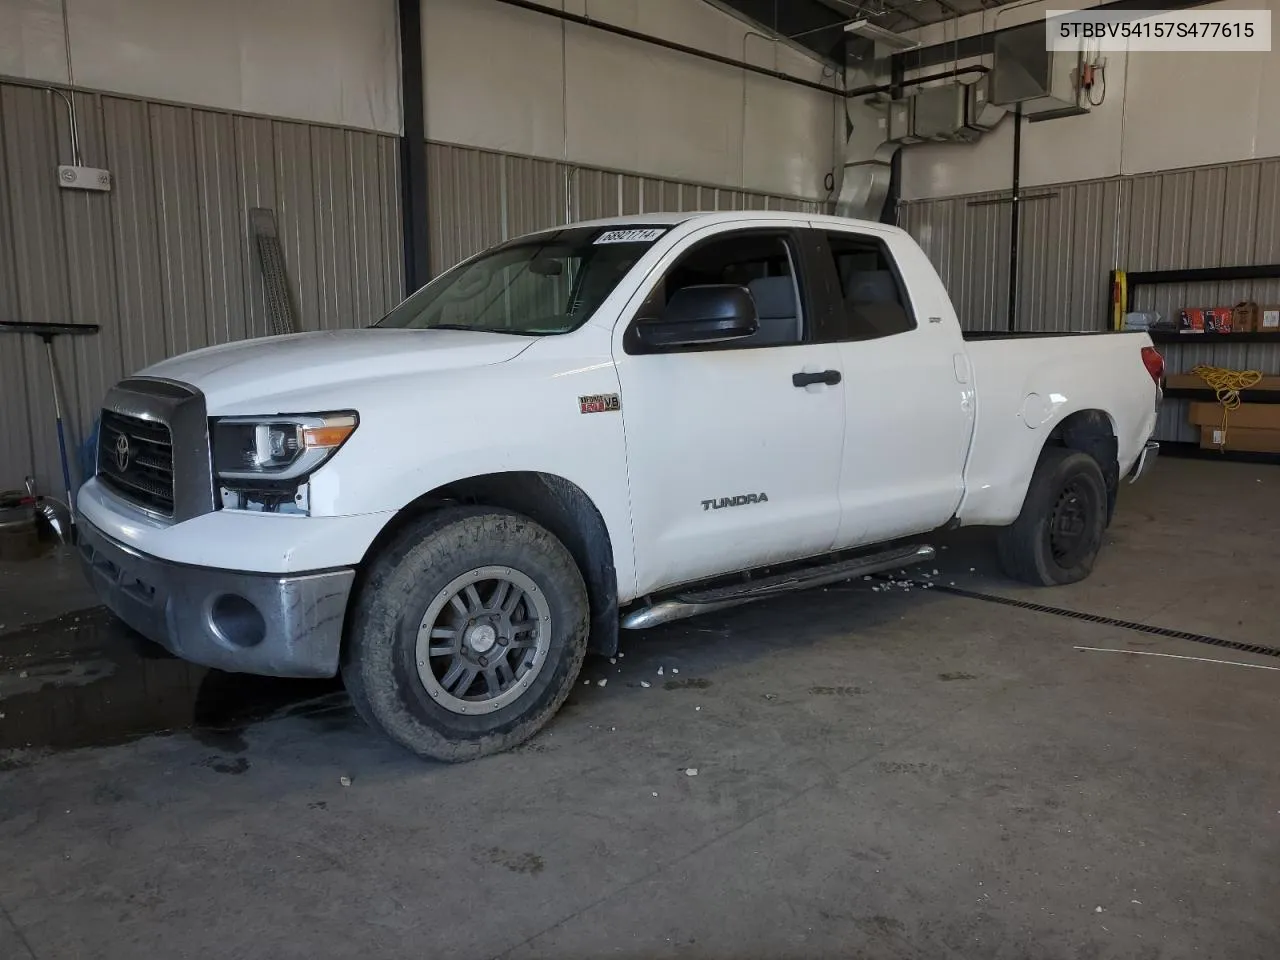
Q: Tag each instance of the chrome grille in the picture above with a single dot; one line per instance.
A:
(135, 459)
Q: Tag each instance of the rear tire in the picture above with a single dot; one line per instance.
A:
(467, 634)
(1058, 534)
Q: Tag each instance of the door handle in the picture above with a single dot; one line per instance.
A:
(829, 377)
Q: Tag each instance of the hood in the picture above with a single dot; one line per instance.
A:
(250, 369)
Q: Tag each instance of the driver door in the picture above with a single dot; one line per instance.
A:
(734, 448)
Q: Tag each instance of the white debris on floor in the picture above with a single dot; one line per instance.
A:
(345, 781)
(691, 772)
(659, 671)
(645, 684)
(603, 682)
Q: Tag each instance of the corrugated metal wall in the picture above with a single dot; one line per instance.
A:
(1073, 235)
(479, 198)
(164, 262)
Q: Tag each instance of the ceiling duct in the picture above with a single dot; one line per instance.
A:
(949, 112)
(980, 114)
(938, 112)
(901, 125)
(1024, 72)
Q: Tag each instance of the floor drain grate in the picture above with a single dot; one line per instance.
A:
(1101, 620)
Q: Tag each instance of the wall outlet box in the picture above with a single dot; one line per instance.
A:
(84, 178)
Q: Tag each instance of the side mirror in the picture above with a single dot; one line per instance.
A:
(705, 314)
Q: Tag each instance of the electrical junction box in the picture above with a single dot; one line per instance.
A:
(84, 178)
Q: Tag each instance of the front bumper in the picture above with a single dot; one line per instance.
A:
(269, 624)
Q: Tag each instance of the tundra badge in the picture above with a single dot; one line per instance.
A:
(742, 501)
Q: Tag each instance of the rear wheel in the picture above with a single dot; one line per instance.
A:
(1058, 534)
(467, 635)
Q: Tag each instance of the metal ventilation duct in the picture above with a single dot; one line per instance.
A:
(1024, 72)
(864, 186)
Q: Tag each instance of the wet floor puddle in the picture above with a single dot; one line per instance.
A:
(87, 680)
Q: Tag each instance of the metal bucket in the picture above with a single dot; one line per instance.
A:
(19, 535)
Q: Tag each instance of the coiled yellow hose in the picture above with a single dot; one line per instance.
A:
(1226, 385)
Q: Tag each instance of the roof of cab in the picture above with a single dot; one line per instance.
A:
(729, 216)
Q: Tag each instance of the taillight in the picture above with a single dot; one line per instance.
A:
(1154, 363)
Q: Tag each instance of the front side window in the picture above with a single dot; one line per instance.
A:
(536, 286)
(870, 296)
(763, 263)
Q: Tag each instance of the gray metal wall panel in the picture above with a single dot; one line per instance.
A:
(178, 226)
(1094, 210)
(296, 216)
(39, 242)
(87, 219)
(15, 412)
(392, 254)
(163, 263)
(536, 195)
(222, 223)
(256, 179)
(465, 204)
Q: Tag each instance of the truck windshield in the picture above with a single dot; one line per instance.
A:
(542, 285)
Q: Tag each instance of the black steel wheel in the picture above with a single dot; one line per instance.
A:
(1058, 534)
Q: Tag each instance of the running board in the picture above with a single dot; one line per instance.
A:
(721, 598)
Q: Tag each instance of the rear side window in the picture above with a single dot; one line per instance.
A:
(870, 293)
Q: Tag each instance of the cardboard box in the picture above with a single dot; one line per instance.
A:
(1248, 416)
(1245, 317)
(1243, 439)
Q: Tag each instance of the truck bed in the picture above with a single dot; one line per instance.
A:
(1021, 382)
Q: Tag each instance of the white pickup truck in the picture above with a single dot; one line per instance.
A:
(610, 424)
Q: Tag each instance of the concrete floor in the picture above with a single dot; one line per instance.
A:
(879, 774)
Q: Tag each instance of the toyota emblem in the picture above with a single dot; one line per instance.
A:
(122, 452)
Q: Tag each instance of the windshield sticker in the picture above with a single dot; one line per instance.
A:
(631, 236)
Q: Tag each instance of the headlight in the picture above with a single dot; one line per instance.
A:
(277, 448)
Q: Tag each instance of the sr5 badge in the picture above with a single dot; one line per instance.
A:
(600, 403)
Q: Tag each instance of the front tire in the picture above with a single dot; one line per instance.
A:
(1058, 534)
(467, 635)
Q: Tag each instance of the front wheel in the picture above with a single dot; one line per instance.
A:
(1058, 534)
(467, 635)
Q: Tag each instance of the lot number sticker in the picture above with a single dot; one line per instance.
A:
(630, 236)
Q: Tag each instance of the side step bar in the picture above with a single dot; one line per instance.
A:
(721, 598)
